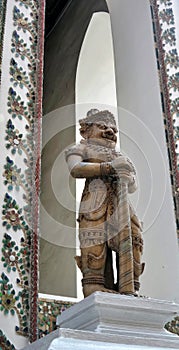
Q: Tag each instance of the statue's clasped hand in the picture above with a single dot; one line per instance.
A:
(120, 167)
(124, 169)
(122, 163)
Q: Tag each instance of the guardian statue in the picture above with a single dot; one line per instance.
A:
(107, 221)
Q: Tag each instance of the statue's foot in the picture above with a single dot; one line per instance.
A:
(88, 289)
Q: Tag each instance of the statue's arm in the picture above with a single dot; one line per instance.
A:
(80, 169)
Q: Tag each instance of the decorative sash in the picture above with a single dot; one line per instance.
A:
(126, 264)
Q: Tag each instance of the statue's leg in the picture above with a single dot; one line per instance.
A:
(92, 261)
(92, 265)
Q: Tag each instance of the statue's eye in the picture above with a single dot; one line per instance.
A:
(102, 126)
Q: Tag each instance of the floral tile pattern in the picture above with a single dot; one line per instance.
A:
(48, 311)
(21, 174)
(168, 69)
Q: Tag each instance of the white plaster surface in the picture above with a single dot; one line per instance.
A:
(142, 137)
(95, 76)
(57, 207)
(64, 339)
(111, 321)
(52, 229)
(81, 343)
(124, 317)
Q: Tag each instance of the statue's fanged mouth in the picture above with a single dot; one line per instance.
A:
(109, 135)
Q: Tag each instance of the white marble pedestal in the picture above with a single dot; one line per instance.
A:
(105, 320)
(113, 321)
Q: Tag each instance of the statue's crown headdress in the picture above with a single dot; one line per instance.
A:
(96, 116)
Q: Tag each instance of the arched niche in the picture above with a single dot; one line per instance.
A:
(138, 94)
(58, 222)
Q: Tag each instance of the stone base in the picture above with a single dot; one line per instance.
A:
(79, 340)
(68, 339)
(127, 319)
(105, 321)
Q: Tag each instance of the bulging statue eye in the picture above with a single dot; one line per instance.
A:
(102, 126)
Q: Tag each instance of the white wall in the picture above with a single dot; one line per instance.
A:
(95, 76)
(142, 138)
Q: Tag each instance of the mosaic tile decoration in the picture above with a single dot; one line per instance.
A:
(48, 311)
(173, 326)
(21, 175)
(168, 70)
(5, 344)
